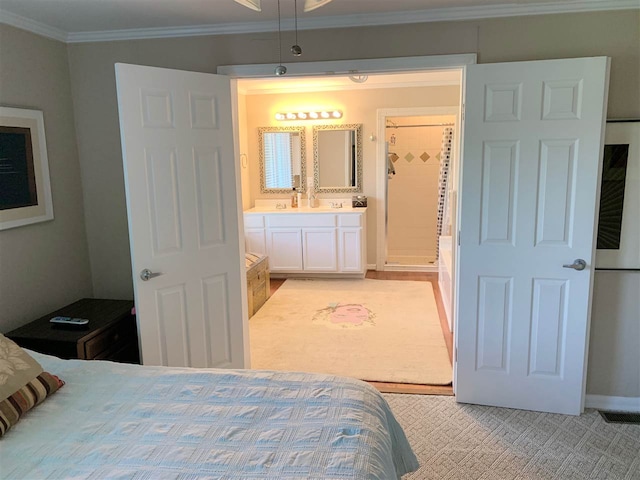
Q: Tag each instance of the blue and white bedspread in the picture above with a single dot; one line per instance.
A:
(126, 421)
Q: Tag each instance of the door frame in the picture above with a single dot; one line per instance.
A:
(353, 67)
(381, 197)
(362, 66)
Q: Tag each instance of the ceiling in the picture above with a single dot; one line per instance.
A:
(257, 86)
(96, 20)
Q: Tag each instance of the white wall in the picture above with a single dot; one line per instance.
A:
(615, 335)
(43, 266)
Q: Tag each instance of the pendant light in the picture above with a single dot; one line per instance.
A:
(280, 69)
(296, 49)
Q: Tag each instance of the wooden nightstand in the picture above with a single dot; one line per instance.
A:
(111, 333)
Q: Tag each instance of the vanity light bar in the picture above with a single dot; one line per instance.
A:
(309, 115)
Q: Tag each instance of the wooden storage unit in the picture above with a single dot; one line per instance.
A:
(111, 333)
(258, 285)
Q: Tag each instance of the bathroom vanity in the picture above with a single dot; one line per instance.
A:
(305, 241)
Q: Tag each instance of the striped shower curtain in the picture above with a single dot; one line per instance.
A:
(443, 201)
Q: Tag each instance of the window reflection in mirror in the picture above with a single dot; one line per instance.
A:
(337, 158)
(282, 159)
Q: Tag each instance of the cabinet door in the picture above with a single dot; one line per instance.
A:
(320, 249)
(351, 250)
(284, 247)
(255, 241)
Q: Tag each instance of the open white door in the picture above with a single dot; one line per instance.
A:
(182, 203)
(530, 187)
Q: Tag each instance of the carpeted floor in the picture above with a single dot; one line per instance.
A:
(376, 330)
(455, 441)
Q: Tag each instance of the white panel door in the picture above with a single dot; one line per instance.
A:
(182, 203)
(284, 247)
(319, 247)
(530, 185)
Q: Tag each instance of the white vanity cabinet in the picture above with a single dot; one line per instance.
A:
(284, 248)
(310, 241)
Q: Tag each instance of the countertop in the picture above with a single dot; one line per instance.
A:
(320, 209)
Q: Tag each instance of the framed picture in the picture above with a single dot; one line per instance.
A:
(25, 189)
(618, 242)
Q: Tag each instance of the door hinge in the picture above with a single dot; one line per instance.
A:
(463, 111)
(458, 237)
(455, 355)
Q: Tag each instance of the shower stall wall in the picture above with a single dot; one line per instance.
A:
(415, 200)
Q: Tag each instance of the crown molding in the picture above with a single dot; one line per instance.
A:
(32, 26)
(343, 21)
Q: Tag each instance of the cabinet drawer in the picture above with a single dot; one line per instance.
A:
(298, 220)
(254, 221)
(118, 334)
(354, 220)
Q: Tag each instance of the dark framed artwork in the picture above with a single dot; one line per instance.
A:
(25, 190)
(618, 240)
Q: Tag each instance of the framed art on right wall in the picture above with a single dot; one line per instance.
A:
(618, 242)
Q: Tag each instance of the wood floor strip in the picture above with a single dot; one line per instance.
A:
(412, 388)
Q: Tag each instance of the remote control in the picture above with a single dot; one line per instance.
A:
(69, 321)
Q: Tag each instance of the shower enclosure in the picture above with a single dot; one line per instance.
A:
(418, 152)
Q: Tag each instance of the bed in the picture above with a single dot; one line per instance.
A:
(128, 421)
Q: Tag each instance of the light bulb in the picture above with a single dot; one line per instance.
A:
(291, 116)
(336, 114)
(280, 116)
(324, 114)
(302, 115)
(313, 114)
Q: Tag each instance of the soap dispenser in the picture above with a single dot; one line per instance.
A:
(294, 198)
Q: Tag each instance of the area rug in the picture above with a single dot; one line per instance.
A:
(376, 330)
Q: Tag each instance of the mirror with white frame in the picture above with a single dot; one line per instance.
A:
(337, 158)
(282, 159)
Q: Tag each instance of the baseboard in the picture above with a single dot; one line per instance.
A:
(371, 266)
(411, 268)
(615, 404)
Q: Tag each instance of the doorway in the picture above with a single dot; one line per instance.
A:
(360, 104)
(419, 148)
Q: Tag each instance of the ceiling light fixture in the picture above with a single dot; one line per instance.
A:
(252, 4)
(355, 77)
(310, 5)
(308, 115)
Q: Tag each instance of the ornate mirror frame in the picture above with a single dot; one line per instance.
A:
(357, 128)
(303, 158)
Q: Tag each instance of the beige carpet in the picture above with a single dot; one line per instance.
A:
(454, 441)
(377, 330)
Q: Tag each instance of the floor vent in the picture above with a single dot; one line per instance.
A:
(620, 417)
